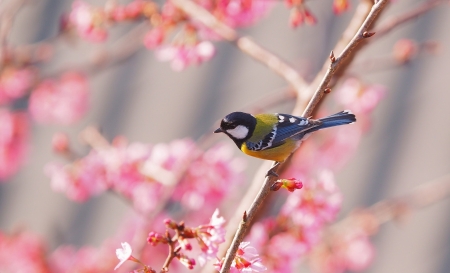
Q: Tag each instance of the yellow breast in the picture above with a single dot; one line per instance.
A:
(279, 153)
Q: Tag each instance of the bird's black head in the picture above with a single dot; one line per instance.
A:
(238, 126)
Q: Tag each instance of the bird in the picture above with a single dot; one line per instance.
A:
(275, 136)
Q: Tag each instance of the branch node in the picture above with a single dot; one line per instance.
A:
(332, 58)
(244, 216)
(367, 34)
(327, 90)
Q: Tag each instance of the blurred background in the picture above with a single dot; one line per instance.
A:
(146, 101)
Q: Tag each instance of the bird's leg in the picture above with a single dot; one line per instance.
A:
(271, 171)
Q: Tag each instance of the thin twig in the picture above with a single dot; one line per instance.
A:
(172, 251)
(122, 49)
(388, 62)
(7, 16)
(397, 20)
(387, 210)
(245, 44)
(420, 197)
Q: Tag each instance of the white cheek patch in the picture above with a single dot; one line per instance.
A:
(240, 132)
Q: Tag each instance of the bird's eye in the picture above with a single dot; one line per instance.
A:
(232, 125)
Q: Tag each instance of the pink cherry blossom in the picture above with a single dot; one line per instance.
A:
(14, 83)
(61, 101)
(247, 260)
(360, 98)
(301, 15)
(290, 184)
(88, 21)
(154, 38)
(123, 163)
(140, 172)
(116, 167)
(316, 204)
(183, 55)
(186, 261)
(210, 237)
(87, 259)
(22, 252)
(404, 50)
(241, 13)
(209, 178)
(285, 250)
(339, 6)
(349, 250)
(14, 133)
(155, 238)
(123, 254)
(80, 180)
(60, 143)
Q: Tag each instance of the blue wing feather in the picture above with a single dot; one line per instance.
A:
(294, 127)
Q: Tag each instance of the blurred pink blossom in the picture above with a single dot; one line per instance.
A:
(89, 21)
(246, 260)
(14, 133)
(61, 101)
(209, 178)
(316, 204)
(301, 15)
(361, 99)
(80, 180)
(210, 237)
(154, 37)
(241, 13)
(339, 6)
(183, 55)
(101, 259)
(60, 143)
(139, 172)
(404, 50)
(123, 163)
(22, 252)
(14, 83)
(288, 250)
(87, 259)
(350, 250)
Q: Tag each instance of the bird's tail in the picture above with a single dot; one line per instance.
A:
(341, 118)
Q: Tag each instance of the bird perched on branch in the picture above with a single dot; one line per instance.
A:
(275, 136)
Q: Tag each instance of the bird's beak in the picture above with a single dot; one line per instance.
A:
(218, 130)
